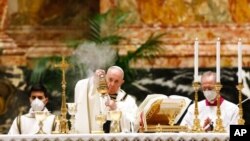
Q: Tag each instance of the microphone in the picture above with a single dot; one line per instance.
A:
(243, 101)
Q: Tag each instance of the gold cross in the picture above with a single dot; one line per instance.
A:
(63, 66)
(63, 120)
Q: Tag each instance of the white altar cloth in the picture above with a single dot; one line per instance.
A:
(121, 137)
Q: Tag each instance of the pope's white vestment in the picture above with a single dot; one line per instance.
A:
(229, 114)
(90, 103)
(27, 124)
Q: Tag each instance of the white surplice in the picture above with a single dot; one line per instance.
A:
(90, 103)
(29, 125)
(229, 114)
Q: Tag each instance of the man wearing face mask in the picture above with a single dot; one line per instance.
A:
(90, 103)
(27, 124)
(208, 107)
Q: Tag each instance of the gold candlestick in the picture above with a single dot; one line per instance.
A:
(63, 120)
(196, 124)
(241, 121)
(219, 123)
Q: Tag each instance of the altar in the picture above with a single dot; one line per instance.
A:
(121, 137)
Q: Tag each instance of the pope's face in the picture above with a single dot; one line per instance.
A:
(114, 80)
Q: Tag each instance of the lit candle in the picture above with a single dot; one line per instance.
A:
(239, 61)
(218, 60)
(196, 54)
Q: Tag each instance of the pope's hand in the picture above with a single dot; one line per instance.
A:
(98, 73)
(111, 104)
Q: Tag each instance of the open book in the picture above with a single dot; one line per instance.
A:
(157, 108)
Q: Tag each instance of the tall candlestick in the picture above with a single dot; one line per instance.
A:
(196, 54)
(239, 61)
(218, 60)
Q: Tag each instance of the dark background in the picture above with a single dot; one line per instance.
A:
(146, 81)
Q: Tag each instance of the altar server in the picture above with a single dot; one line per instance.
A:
(208, 107)
(27, 124)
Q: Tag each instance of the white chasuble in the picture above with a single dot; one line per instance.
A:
(88, 106)
(90, 103)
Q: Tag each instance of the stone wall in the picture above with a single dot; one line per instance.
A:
(178, 44)
(20, 45)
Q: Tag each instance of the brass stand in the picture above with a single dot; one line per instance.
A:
(196, 124)
(219, 123)
(163, 128)
(241, 121)
(63, 120)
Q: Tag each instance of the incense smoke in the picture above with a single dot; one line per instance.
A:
(94, 56)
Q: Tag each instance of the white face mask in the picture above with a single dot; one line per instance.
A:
(210, 95)
(37, 105)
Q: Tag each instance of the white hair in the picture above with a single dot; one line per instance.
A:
(209, 74)
(117, 68)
